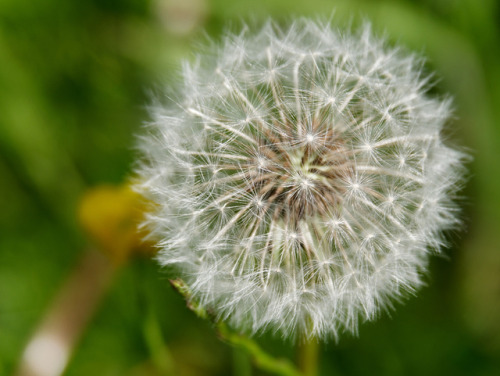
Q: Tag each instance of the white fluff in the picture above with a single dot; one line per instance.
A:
(300, 179)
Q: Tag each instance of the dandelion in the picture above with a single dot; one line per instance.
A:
(300, 178)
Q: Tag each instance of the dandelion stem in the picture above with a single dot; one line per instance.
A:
(241, 363)
(261, 359)
(308, 357)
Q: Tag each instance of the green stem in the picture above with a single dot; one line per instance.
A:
(308, 357)
(241, 362)
(262, 360)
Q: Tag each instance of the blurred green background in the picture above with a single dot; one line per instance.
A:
(75, 78)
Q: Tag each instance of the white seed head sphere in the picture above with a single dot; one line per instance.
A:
(300, 179)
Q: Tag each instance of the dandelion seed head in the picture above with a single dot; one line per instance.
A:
(299, 178)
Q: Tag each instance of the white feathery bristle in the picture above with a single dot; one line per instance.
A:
(300, 179)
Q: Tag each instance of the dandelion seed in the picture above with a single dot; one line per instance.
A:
(300, 181)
